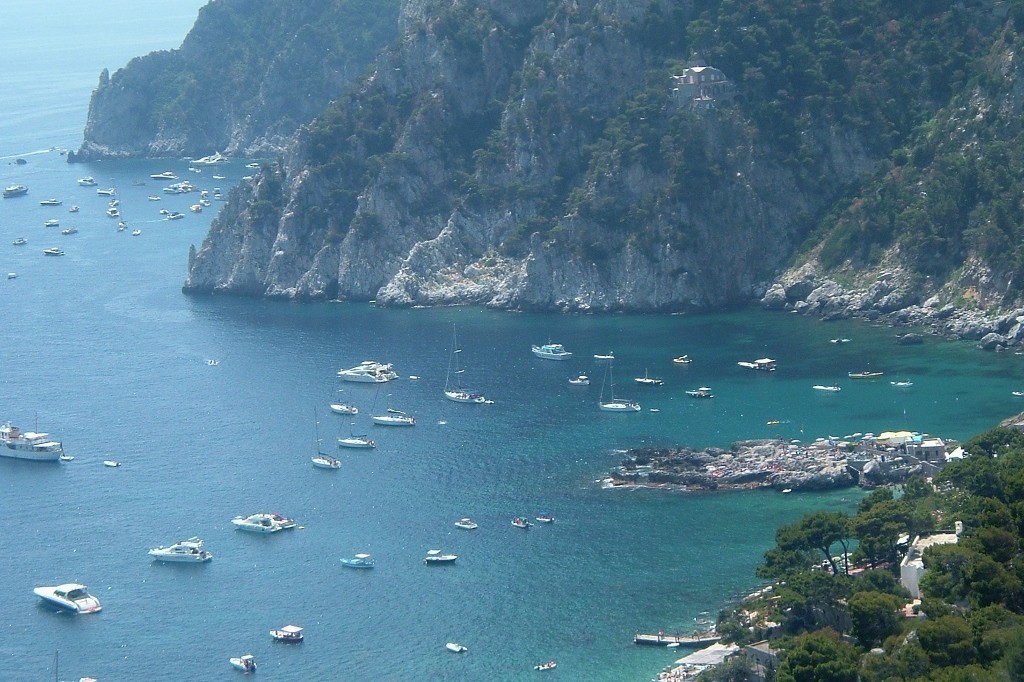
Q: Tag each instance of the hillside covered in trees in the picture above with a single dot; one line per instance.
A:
(837, 608)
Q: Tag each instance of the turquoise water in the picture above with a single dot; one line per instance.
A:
(101, 348)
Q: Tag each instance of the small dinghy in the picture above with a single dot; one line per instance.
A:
(455, 647)
(246, 664)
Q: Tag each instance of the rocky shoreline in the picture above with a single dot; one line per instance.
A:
(777, 464)
(969, 311)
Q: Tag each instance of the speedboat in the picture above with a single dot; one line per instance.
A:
(136, 233)
(70, 597)
(466, 524)
(87, 181)
(323, 461)
(356, 442)
(69, 230)
(153, 197)
(53, 251)
(521, 522)
(827, 387)
(257, 523)
(455, 647)
(50, 202)
(761, 364)
(19, 444)
(702, 392)
(174, 215)
(902, 384)
(358, 561)
(113, 212)
(183, 551)
(342, 408)
(608, 356)
(682, 360)
(839, 340)
(246, 664)
(108, 192)
(73, 209)
(545, 517)
(12, 275)
(551, 351)
(646, 380)
(112, 463)
(368, 372)
(435, 556)
(581, 380)
(166, 175)
(864, 375)
(52, 222)
(545, 666)
(289, 633)
(393, 418)
(1018, 394)
(20, 241)
(214, 159)
(15, 191)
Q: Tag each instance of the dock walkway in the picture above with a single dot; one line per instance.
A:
(665, 639)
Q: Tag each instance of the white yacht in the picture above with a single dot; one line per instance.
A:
(435, 557)
(183, 551)
(581, 380)
(356, 442)
(393, 418)
(166, 175)
(108, 192)
(37, 447)
(452, 389)
(87, 181)
(322, 461)
(257, 523)
(214, 159)
(368, 372)
(70, 597)
(52, 222)
(466, 524)
(344, 408)
(614, 404)
(551, 351)
(647, 380)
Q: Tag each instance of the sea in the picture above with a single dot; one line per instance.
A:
(215, 405)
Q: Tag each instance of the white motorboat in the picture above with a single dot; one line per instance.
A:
(682, 360)
(87, 181)
(368, 372)
(283, 521)
(109, 192)
(545, 666)
(607, 356)
(323, 461)
(361, 560)
(455, 647)
(74, 209)
(69, 231)
(832, 388)
(214, 159)
(69, 597)
(452, 382)
(12, 275)
(581, 380)
(356, 442)
(614, 404)
(521, 522)
(112, 463)
(647, 380)
(288, 633)
(466, 524)
(246, 664)
(136, 233)
(113, 212)
(257, 523)
(183, 551)
(761, 364)
(902, 384)
(53, 251)
(393, 418)
(166, 175)
(343, 408)
(38, 447)
(545, 517)
(551, 351)
(20, 241)
(50, 202)
(52, 222)
(702, 392)
(15, 191)
(435, 557)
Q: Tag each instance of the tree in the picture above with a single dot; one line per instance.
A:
(820, 530)
(947, 641)
(819, 657)
(877, 530)
(875, 616)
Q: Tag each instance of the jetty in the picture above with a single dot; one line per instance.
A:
(665, 639)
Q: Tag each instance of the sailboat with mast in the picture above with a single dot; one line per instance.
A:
(453, 389)
(614, 404)
(321, 459)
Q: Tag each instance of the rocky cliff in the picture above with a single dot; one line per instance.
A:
(246, 76)
(537, 155)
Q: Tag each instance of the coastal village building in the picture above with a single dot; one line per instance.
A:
(912, 566)
(701, 87)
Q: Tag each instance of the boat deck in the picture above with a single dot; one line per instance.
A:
(665, 639)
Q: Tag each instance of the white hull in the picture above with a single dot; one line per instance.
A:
(172, 558)
(393, 420)
(464, 397)
(360, 378)
(619, 406)
(71, 597)
(356, 443)
(339, 408)
(30, 454)
(326, 463)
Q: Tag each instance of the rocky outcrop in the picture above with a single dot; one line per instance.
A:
(244, 79)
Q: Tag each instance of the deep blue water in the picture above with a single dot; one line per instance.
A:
(101, 349)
